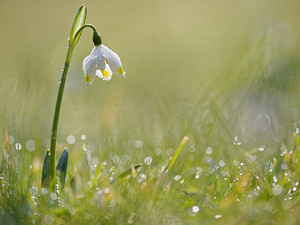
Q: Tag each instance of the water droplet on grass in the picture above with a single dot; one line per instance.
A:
(148, 161)
(284, 166)
(44, 191)
(157, 151)
(236, 141)
(71, 139)
(18, 146)
(139, 143)
(261, 148)
(209, 150)
(218, 216)
(48, 219)
(177, 177)
(235, 162)
(85, 147)
(72, 211)
(53, 196)
(30, 145)
(222, 163)
(143, 177)
(195, 209)
(277, 189)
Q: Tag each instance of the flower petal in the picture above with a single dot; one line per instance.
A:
(113, 60)
(89, 67)
(104, 74)
(100, 59)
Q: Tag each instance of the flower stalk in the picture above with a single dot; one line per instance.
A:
(57, 112)
(74, 36)
(102, 62)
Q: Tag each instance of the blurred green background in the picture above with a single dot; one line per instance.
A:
(205, 69)
(224, 73)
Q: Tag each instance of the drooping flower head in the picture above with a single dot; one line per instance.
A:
(102, 62)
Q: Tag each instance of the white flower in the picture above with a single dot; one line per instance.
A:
(102, 62)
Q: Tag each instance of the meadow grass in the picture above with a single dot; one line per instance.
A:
(226, 75)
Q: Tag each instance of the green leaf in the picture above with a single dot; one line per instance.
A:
(61, 168)
(79, 21)
(46, 170)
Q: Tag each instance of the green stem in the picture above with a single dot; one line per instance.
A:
(56, 113)
(85, 26)
(59, 101)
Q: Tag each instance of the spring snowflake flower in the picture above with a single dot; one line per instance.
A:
(102, 62)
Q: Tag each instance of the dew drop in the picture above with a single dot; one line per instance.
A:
(222, 163)
(284, 166)
(236, 141)
(235, 162)
(18, 146)
(195, 209)
(209, 150)
(277, 189)
(148, 161)
(72, 211)
(30, 145)
(48, 219)
(71, 139)
(44, 191)
(85, 147)
(53, 196)
(157, 151)
(139, 143)
(95, 160)
(143, 176)
(218, 216)
(261, 148)
(177, 177)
